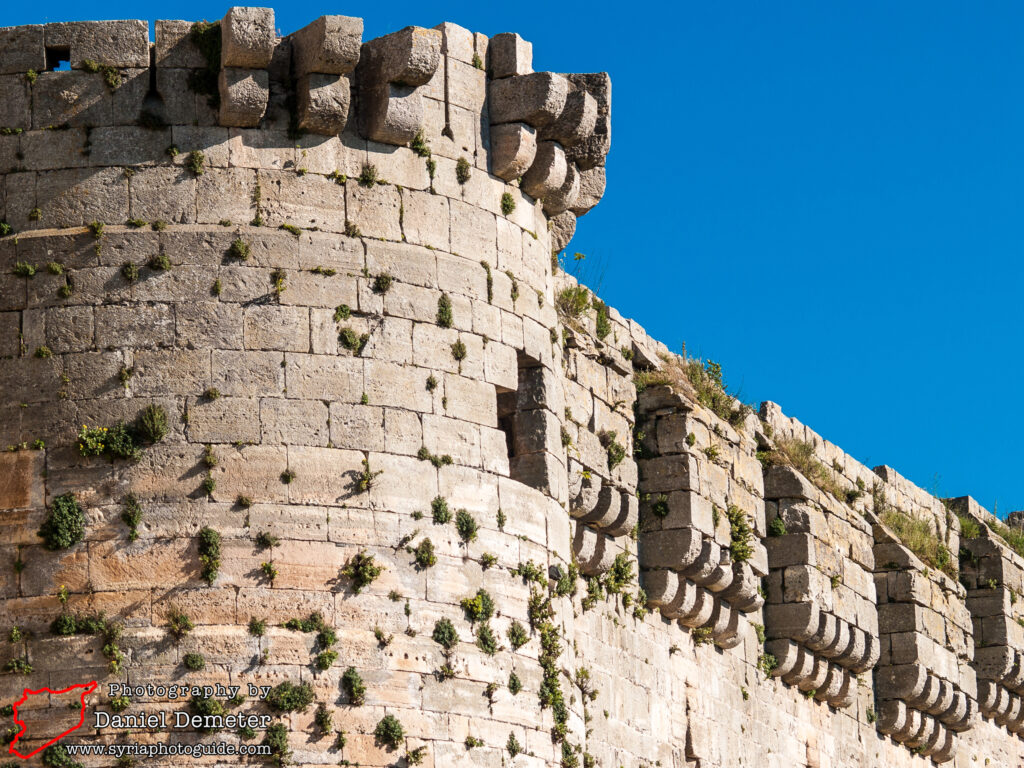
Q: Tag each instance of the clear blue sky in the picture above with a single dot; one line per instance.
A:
(825, 197)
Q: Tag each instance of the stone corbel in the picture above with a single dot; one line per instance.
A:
(248, 42)
(324, 55)
(391, 70)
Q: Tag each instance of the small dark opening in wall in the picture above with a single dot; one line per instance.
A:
(511, 404)
(58, 58)
(507, 418)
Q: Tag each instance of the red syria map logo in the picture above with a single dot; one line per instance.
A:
(87, 688)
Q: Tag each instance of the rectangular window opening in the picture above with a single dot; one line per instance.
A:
(58, 58)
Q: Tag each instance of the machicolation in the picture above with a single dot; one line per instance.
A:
(301, 407)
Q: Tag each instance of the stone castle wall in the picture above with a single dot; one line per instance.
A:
(329, 263)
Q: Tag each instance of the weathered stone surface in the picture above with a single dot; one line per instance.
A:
(329, 45)
(513, 148)
(537, 99)
(247, 37)
(244, 94)
(509, 54)
(390, 69)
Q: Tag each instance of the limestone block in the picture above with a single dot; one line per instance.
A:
(274, 327)
(375, 210)
(330, 45)
(21, 481)
(508, 54)
(174, 46)
(548, 172)
(69, 329)
(74, 98)
(224, 420)
(426, 219)
(575, 122)
(247, 38)
(563, 227)
(390, 70)
(513, 148)
(561, 199)
(117, 43)
(590, 151)
(323, 103)
(15, 102)
(473, 233)
(537, 98)
(592, 186)
(244, 94)
(23, 49)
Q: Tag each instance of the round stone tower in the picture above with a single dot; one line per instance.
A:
(282, 383)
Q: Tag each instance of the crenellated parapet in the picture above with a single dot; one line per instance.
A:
(444, 93)
(702, 516)
(821, 622)
(993, 575)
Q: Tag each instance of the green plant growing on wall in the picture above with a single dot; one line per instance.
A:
(209, 554)
(160, 263)
(615, 450)
(517, 635)
(439, 511)
(365, 480)
(466, 526)
(368, 175)
(361, 570)
(276, 738)
(194, 661)
(130, 272)
(480, 607)
(323, 719)
(513, 746)
(354, 688)
(196, 163)
(389, 732)
(132, 516)
(602, 325)
(239, 249)
(152, 423)
(444, 311)
(740, 534)
(289, 697)
(463, 170)
(508, 203)
(178, 623)
(424, 554)
(777, 527)
(486, 640)
(64, 525)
